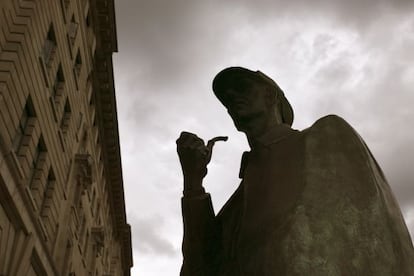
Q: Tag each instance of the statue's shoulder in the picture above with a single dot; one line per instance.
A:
(331, 126)
(331, 121)
(332, 134)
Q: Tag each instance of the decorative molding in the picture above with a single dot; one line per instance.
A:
(98, 235)
(84, 169)
(107, 121)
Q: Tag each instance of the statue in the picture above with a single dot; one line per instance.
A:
(310, 202)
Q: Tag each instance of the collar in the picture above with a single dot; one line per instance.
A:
(273, 135)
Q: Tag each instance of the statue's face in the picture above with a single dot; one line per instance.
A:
(246, 101)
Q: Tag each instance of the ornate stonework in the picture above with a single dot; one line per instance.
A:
(62, 207)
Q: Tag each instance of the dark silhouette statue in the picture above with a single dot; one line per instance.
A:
(310, 202)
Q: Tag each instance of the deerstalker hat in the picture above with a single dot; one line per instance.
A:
(227, 77)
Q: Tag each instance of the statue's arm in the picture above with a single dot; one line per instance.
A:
(199, 238)
(198, 215)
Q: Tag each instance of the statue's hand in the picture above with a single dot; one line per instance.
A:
(194, 157)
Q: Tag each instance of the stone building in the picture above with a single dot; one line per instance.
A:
(62, 208)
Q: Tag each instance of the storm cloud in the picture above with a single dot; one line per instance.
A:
(351, 58)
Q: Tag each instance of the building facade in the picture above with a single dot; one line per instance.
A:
(62, 207)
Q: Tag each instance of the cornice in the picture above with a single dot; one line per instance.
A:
(104, 88)
(106, 25)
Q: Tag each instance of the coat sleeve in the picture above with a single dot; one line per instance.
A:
(199, 235)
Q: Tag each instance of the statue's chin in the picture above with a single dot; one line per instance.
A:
(245, 124)
(251, 124)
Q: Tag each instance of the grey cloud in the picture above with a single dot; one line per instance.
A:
(165, 33)
(409, 218)
(170, 51)
(173, 34)
(379, 105)
(146, 236)
(357, 14)
(398, 162)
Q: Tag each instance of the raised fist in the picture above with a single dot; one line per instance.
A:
(194, 157)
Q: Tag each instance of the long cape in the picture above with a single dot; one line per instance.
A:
(345, 221)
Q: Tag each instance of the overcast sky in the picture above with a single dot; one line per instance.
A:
(352, 58)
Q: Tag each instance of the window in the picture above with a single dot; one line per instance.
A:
(98, 235)
(50, 187)
(64, 125)
(68, 252)
(93, 201)
(49, 47)
(77, 67)
(27, 113)
(58, 85)
(82, 232)
(73, 29)
(67, 111)
(38, 171)
(97, 213)
(89, 88)
(88, 19)
(38, 157)
(85, 245)
(79, 121)
(78, 63)
(49, 208)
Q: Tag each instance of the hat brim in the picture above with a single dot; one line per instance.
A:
(227, 77)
